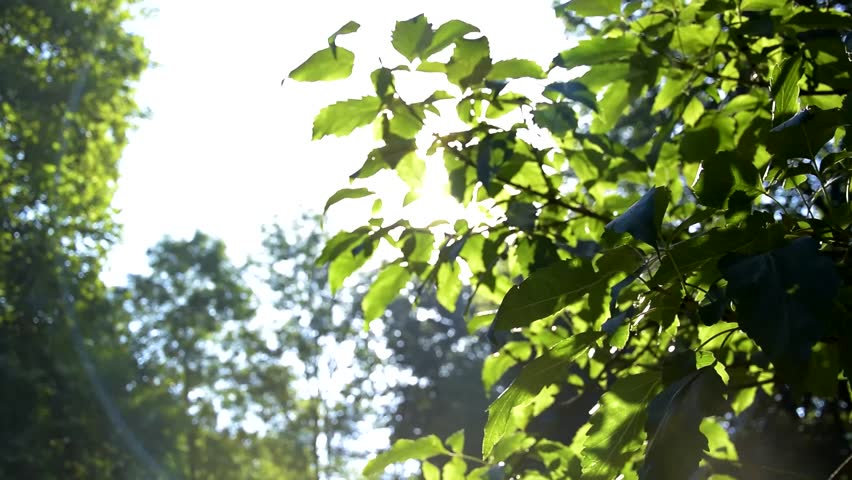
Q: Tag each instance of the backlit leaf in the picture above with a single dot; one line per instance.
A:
(326, 64)
(342, 118)
(421, 449)
(515, 68)
(616, 426)
(546, 370)
(384, 289)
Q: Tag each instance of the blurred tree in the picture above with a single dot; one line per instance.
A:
(445, 392)
(321, 333)
(188, 329)
(66, 74)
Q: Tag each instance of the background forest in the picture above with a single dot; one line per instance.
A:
(644, 272)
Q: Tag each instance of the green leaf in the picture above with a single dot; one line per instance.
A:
(324, 65)
(384, 290)
(412, 37)
(760, 5)
(804, 134)
(597, 50)
(430, 471)
(496, 364)
(345, 193)
(540, 373)
(454, 469)
(783, 299)
(342, 118)
(421, 449)
(675, 441)
(559, 118)
(456, 441)
(592, 8)
(350, 27)
(616, 426)
(785, 88)
(470, 62)
(672, 88)
(446, 35)
(449, 285)
(515, 68)
(643, 219)
(548, 291)
(572, 90)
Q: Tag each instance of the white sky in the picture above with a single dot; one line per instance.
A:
(227, 148)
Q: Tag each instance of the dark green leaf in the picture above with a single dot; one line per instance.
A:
(642, 220)
(559, 118)
(783, 299)
(675, 442)
(572, 90)
(548, 291)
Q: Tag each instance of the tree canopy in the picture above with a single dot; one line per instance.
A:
(668, 225)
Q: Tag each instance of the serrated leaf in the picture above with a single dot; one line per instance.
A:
(446, 35)
(515, 68)
(342, 118)
(783, 298)
(384, 289)
(421, 449)
(675, 441)
(547, 291)
(643, 219)
(785, 88)
(616, 426)
(345, 193)
(546, 370)
(325, 65)
(411, 37)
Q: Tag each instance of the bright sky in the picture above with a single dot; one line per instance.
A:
(227, 148)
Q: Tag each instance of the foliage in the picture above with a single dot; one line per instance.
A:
(678, 211)
(66, 75)
(320, 335)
